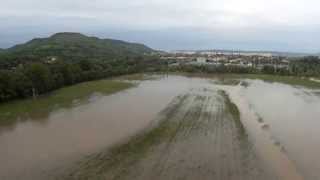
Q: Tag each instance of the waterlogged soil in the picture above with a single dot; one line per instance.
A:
(171, 127)
(197, 136)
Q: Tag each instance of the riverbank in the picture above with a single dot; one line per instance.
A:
(290, 80)
(235, 78)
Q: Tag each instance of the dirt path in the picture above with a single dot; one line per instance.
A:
(198, 136)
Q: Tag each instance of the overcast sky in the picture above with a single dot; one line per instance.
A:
(282, 25)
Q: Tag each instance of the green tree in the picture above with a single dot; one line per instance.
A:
(40, 76)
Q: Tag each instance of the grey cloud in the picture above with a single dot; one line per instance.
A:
(167, 24)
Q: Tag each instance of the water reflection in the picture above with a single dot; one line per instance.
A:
(37, 110)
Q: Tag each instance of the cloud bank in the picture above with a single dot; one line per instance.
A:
(286, 25)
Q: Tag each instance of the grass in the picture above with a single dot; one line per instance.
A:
(233, 79)
(233, 109)
(114, 162)
(117, 161)
(227, 81)
(230, 106)
(64, 97)
(136, 77)
(291, 80)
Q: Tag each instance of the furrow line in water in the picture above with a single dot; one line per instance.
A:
(271, 155)
(233, 154)
(219, 138)
(196, 121)
(214, 139)
(229, 121)
(161, 165)
(212, 132)
(236, 153)
(226, 151)
(164, 150)
(217, 141)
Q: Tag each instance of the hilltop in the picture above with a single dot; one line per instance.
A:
(75, 46)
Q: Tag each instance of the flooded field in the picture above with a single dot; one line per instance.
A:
(171, 127)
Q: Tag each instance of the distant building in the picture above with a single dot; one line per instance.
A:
(219, 58)
(51, 59)
(201, 60)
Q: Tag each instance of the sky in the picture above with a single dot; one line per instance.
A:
(276, 25)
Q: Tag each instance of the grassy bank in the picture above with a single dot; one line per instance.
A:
(64, 97)
(233, 79)
(291, 80)
(137, 77)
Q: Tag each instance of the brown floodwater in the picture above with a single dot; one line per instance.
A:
(38, 149)
(282, 122)
(292, 116)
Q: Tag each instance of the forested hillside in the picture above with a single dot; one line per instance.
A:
(45, 64)
(70, 47)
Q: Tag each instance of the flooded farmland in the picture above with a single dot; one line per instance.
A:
(171, 127)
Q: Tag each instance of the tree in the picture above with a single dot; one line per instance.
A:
(40, 76)
(85, 65)
(7, 88)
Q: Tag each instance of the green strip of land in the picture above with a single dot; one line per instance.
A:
(291, 80)
(64, 97)
(233, 79)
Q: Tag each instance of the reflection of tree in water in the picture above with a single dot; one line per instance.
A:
(37, 110)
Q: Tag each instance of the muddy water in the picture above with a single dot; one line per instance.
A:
(278, 137)
(37, 149)
(268, 150)
(196, 137)
(291, 118)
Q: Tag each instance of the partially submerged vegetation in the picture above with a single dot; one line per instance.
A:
(137, 77)
(234, 111)
(199, 119)
(197, 136)
(291, 80)
(230, 106)
(64, 97)
(116, 161)
(235, 79)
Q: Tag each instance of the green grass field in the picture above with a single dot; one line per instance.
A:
(291, 80)
(63, 97)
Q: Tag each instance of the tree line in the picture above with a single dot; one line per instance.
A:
(305, 66)
(35, 77)
(30, 76)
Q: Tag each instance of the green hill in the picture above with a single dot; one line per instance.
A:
(45, 64)
(75, 46)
